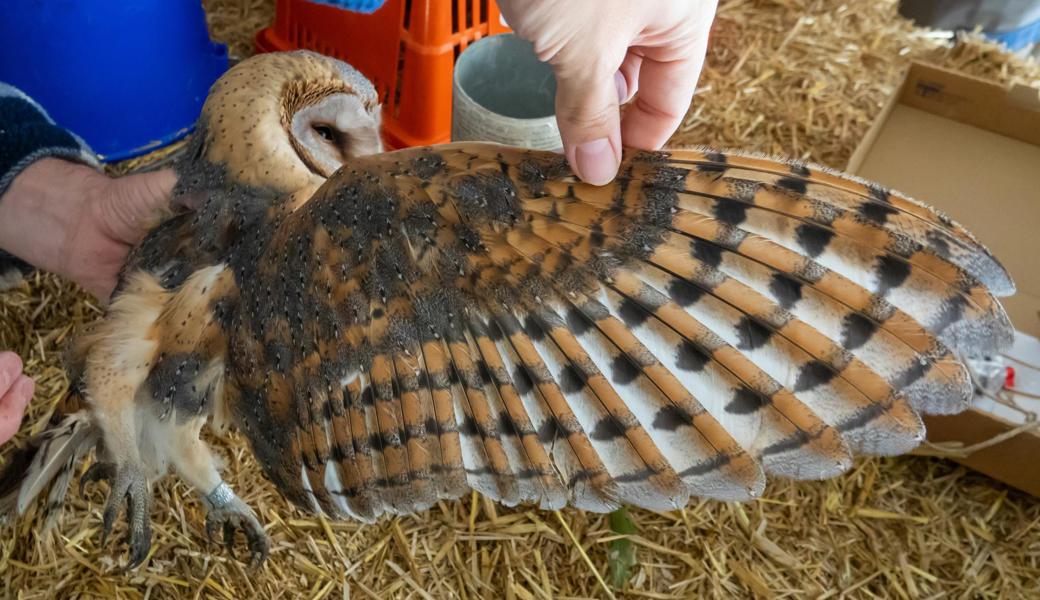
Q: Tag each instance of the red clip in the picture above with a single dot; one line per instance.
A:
(1009, 378)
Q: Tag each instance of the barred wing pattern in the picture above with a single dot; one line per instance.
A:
(472, 315)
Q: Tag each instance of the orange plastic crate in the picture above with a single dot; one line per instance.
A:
(406, 47)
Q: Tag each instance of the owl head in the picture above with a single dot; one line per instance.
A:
(287, 121)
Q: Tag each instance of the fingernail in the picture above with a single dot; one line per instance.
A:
(10, 362)
(596, 162)
(9, 371)
(26, 387)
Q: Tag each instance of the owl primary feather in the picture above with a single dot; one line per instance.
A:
(393, 329)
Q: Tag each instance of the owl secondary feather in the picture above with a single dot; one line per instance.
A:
(391, 329)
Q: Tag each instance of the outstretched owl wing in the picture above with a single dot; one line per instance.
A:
(472, 315)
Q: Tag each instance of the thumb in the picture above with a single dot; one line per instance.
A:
(587, 114)
(12, 406)
(137, 203)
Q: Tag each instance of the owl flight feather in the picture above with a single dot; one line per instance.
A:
(432, 320)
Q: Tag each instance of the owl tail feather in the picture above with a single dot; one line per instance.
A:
(49, 458)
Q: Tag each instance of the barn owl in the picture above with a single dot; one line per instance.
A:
(392, 329)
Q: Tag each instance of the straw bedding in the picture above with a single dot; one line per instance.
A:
(797, 77)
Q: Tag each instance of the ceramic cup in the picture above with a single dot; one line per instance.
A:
(502, 93)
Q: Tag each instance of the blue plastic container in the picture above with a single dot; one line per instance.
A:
(1018, 38)
(127, 77)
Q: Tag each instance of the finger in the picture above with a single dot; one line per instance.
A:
(627, 77)
(102, 291)
(10, 368)
(12, 406)
(587, 113)
(152, 189)
(136, 203)
(665, 91)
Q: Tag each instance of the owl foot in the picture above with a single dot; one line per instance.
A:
(127, 482)
(228, 511)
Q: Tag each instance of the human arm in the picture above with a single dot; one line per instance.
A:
(72, 220)
(58, 212)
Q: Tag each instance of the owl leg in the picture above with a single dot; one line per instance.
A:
(224, 509)
(110, 390)
(146, 369)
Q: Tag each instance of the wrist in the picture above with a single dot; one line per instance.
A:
(37, 213)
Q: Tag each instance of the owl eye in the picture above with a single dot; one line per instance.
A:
(325, 132)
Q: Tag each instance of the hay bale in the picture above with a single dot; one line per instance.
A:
(797, 77)
(235, 22)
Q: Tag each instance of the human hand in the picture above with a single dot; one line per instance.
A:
(69, 219)
(602, 52)
(16, 390)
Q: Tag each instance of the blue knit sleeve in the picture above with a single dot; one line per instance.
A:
(28, 134)
(361, 6)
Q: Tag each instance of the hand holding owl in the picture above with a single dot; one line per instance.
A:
(72, 220)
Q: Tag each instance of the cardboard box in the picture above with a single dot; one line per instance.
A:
(971, 148)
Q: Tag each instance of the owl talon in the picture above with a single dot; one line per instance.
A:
(108, 519)
(125, 483)
(211, 530)
(140, 542)
(229, 538)
(228, 512)
(259, 546)
(97, 472)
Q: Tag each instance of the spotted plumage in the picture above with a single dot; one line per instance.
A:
(432, 320)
